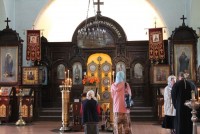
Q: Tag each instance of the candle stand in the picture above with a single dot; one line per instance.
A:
(65, 90)
(193, 104)
(20, 122)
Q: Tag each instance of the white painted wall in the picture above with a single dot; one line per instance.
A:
(10, 12)
(2, 15)
(23, 13)
(195, 23)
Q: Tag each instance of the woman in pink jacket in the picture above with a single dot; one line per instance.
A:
(121, 115)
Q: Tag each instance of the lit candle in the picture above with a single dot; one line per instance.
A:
(84, 73)
(68, 73)
(108, 83)
(113, 74)
(193, 95)
(198, 93)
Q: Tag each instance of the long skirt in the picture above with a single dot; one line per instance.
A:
(168, 122)
(91, 128)
(122, 123)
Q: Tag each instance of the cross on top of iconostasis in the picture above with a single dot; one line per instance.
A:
(98, 3)
(183, 18)
(7, 21)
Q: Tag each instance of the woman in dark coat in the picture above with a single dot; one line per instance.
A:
(181, 92)
(90, 113)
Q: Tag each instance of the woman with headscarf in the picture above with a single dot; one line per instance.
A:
(169, 110)
(121, 115)
(90, 113)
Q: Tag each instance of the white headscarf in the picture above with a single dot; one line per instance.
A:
(120, 76)
(169, 80)
(90, 95)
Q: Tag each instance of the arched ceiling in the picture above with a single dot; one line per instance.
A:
(60, 18)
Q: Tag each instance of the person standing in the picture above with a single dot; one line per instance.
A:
(121, 115)
(90, 116)
(181, 92)
(169, 110)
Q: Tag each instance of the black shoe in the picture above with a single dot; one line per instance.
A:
(173, 132)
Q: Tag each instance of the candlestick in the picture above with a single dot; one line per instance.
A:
(65, 74)
(193, 95)
(20, 120)
(194, 105)
(108, 83)
(68, 73)
(113, 74)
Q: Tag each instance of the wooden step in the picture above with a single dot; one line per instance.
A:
(48, 114)
(139, 113)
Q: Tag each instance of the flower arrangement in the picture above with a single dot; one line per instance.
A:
(90, 81)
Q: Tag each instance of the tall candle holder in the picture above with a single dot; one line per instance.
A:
(193, 104)
(20, 121)
(65, 90)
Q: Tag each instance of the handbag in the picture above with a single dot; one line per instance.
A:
(128, 100)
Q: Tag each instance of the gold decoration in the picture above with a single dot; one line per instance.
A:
(2, 111)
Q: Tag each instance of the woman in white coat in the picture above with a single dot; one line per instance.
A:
(169, 110)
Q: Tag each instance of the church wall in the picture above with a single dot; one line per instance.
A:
(24, 13)
(9, 6)
(177, 8)
(195, 18)
(2, 15)
(170, 11)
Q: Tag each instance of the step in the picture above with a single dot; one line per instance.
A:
(139, 113)
(48, 114)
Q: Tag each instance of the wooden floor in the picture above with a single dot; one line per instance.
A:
(52, 127)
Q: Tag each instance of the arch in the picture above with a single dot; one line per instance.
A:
(112, 27)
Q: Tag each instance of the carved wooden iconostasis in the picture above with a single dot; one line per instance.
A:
(183, 49)
(182, 58)
(117, 54)
(131, 56)
(14, 77)
(183, 42)
(10, 76)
